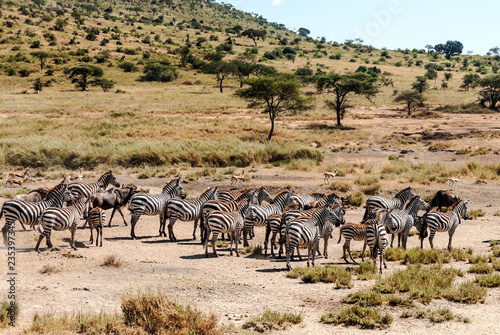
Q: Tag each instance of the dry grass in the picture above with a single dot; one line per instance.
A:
(272, 320)
(364, 317)
(325, 274)
(113, 262)
(5, 313)
(437, 316)
(49, 269)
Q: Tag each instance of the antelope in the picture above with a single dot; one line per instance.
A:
(329, 175)
(238, 178)
(452, 181)
(13, 182)
(80, 175)
(23, 175)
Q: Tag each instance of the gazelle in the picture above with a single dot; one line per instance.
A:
(329, 175)
(238, 178)
(13, 182)
(452, 181)
(22, 175)
(80, 175)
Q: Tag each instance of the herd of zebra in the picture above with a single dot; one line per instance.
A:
(291, 220)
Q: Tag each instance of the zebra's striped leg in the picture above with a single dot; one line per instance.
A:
(273, 243)
(325, 249)
(163, 220)
(171, 235)
(246, 229)
(237, 233)
(205, 241)
(431, 238)
(346, 246)
(405, 234)
(194, 229)
(214, 239)
(22, 225)
(73, 231)
(91, 227)
(5, 229)
(49, 240)
(450, 233)
(37, 248)
(392, 239)
(266, 240)
(363, 252)
(133, 220)
(99, 233)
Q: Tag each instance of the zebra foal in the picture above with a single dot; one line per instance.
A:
(377, 240)
(96, 219)
(89, 189)
(397, 202)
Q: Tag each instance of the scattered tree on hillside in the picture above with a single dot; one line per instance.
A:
(80, 75)
(344, 85)
(221, 70)
(254, 34)
(470, 80)
(450, 48)
(421, 84)
(161, 71)
(38, 85)
(42, 56)
(490, 93)
(411, 99)
(304, 32)
(432, 74)
(277, 95)
(105, 84)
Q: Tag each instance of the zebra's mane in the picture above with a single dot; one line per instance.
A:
(413, 199)
(169, 184)
(380, 213)
(56, 189)
(104, 176)
(317, 194)
(279, 195)
(77, 200)
(291, 206)
(243, 193)
(208, 190)
(403, 191)
(455, 204)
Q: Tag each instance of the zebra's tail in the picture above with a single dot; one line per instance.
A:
(39, 227)
(1, 212)
(423, 227)
(340, 234)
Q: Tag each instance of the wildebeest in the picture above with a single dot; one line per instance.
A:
(443, 198)
(114, 198)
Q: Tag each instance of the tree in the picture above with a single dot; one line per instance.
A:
(42, 56)
(411, 99)
(344, 85)
(105, 84)
(432, 74)
(421, 84)
(304, 32)
(254, 34)
(450, 48)
(448, 76)
(80, 75)
(38, 85)
(490, 92)
(221, 70)
(277, 95)
(470, 80)
(242, 69)
(159, 71)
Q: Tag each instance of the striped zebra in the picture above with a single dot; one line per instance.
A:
(303, 200)
(29, 212)
(397, 202)
(331, 199)
(226, 222)
(335, 221)
(307, 231)
(55, 218)
(185, 210)
(224, 206)
(356, 232)
(437, 221)
(96, 220)
(273, 228)
(377, 240)
(230, 195)
(257, 215)
(399, 221)
(153, 204)
(89, 189)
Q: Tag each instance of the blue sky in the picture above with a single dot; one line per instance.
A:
(388, 23)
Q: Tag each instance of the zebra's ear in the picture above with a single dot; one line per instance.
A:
(466, 202)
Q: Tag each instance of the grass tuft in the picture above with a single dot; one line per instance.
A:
(366, 271)
(6, 310)
(364, 299)
(468, 293)
(272, 320)
(327, 274)
(393, 300)
(426, 256)
(481, 268)
(365, 317)
(490, 280)
(475, 213)
(49, 269)
(395, 254)
(113, 262)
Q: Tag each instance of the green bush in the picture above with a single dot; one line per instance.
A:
(364, 299)
(365, 317)
(159, 71)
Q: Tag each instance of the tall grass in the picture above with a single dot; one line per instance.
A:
(272, 320)
(5, 313)
(365, 317)
(326, 274)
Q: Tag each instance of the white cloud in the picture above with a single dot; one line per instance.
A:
(277, 2)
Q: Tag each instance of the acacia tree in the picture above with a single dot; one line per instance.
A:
(344, 85)
(491, 90)
(254, 34)
(221, 70)
(80, 75)
(411, 99)
(421, 84)
(42, 56)
(450, 48)
(470, 80)
(276, 94)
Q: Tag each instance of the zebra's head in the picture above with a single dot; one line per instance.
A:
(337, 214)
(465, 215)
(179, 191)
(113, 180)
(263, 195)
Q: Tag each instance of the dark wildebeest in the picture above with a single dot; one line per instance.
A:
(443, 199)
(114, 198)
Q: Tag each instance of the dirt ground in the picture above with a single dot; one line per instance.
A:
(239, 288)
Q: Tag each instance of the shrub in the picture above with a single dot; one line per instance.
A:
(272, 320)
(159, 71)
(481, 268)
(369, 185)
(364, 299)
(475, 213)
(6, 310)
(366, 271)
(426, 256)
(340, 186)
(10, 71)
(356, 315)
(328, 274)
(356, 199)
(490, 280)
(113, 262)
(468, 292)
(128, 67)
(395, 254)
(393, 300)
(49, 269)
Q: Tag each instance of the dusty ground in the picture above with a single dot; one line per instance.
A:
(238, 288)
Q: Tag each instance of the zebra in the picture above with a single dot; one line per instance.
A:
(303, 200)
(437, 221)
(96, 219)
(273, 226)
(257, 214)
(338, 219)
(29, 212)
(356, 232)
(55, 218)
(397, 202)
(89, 189)
(224, 206)
(307, 231)
(148, 204)
(328, 199)
(399, 221)
(230, 195)
(377, 240)
(226, 222)
(185, 210)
